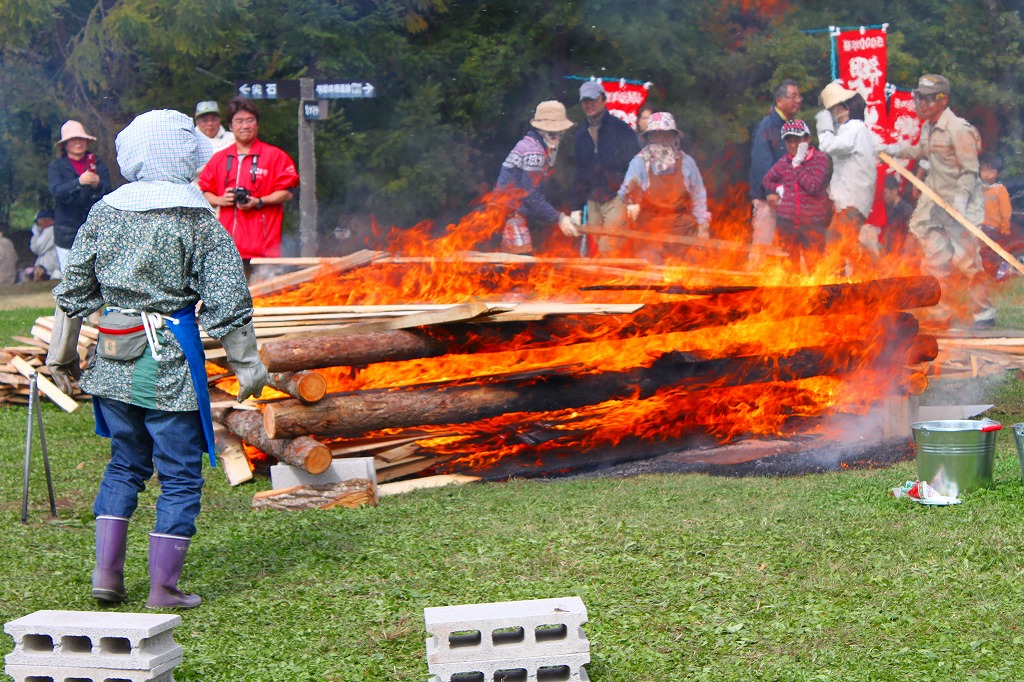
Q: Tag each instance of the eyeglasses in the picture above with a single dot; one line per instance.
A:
(243, 121)
(794, 96)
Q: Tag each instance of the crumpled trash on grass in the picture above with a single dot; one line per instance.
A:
(922, 493)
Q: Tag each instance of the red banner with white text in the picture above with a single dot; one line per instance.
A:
(906, 126)
(625, 99)
(862, 67)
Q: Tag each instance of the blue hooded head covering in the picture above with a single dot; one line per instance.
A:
(159, 154)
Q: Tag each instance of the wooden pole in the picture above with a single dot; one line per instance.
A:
(971, 227)
(307, 173)
(721, 244)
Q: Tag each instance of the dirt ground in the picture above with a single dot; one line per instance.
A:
(27, 295)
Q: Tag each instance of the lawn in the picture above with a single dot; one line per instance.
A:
(817, 577)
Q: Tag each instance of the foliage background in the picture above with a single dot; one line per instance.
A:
(457, 81)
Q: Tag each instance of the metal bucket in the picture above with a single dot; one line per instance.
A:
(1018, 435)
(956, 456)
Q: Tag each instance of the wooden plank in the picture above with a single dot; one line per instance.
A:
(454, 313)
(441, 480)
(391, 472)
(46, 387)
(397, 454)
(362, 445)
(291, 279)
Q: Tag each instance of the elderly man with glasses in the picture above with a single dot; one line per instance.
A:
(766, 148)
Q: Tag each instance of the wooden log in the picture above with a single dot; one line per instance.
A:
(700, 312)
(301, 451)
(306, 385)
(354, 414)
(351, 493)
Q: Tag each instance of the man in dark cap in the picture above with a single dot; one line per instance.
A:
(604, 146)
(951, 146)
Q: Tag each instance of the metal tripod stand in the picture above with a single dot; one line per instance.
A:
(33, 406)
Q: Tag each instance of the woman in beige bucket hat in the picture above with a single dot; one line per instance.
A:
(526, 167)
(77, 180)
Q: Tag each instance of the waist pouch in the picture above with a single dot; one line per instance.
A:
(122, 337)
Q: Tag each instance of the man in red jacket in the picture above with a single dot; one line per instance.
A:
(250, 181)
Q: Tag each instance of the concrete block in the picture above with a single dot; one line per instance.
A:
(506, 630)
(341, 469)
(95, 640)
(42, 673)
(565, 668)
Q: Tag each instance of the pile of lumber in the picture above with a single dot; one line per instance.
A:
(18, 363)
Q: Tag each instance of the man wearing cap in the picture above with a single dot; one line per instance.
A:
(951, 146)
(207, 118)
(846, 138)
(265, 174)
(663, 188)
(526, 167)
(603, 150)
(766, 148)
(77, 180)
(46, 266)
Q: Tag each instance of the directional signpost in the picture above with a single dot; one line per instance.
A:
(313, 106)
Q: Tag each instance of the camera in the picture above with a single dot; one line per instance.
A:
(241, 195)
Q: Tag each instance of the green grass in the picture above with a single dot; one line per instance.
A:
(818, 577)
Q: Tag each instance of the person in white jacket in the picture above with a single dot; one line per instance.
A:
(41, 243)
(843, 135)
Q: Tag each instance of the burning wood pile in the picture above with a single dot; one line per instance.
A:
(459, 362)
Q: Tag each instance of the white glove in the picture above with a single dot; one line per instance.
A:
(577, 217)
(244, 358)
(780, 190)
(62, 358)
(823, 121)
(567, 226)
(801, 154)
(704, 231)
(632, 210)
(891, 149)
(960, 204)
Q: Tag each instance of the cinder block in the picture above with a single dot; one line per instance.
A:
(43, 673)
(567, 668)
(506, 630)
(341, 469)
(98, 640)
